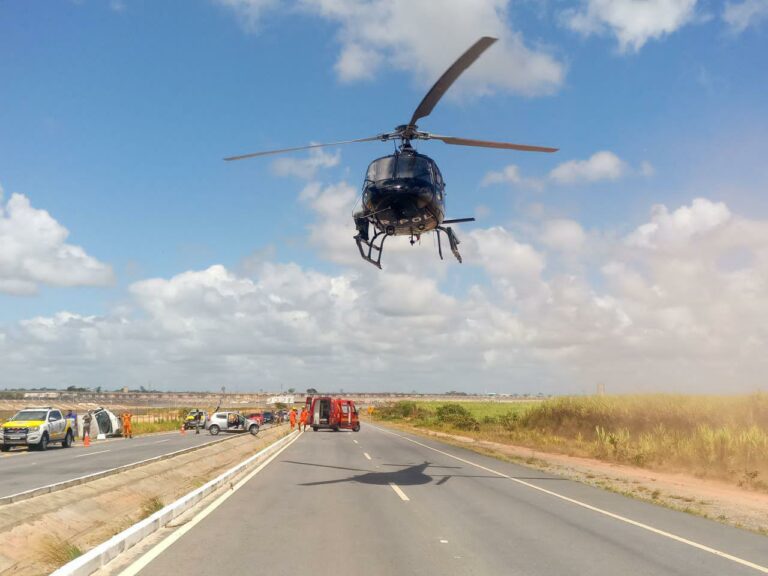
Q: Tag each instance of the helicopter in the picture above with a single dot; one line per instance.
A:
(404, 193)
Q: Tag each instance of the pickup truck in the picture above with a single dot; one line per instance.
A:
(36, 428)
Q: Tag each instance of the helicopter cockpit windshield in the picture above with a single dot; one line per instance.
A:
(400, 166)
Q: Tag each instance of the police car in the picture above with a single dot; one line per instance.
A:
(36, 428)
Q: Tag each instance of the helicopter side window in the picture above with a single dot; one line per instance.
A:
(438, 178)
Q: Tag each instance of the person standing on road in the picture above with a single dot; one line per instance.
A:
(127, 430)
(293, 418)
(72, 416)
(198, 417)
(303, 420)
(87, 424)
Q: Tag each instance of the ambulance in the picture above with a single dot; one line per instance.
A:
(332, 413)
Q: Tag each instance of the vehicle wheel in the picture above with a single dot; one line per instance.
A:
(356, 428)
(5, 448)
(253, 429)
(43, 444)
(314, 428)
(214, 430)
(67, 440)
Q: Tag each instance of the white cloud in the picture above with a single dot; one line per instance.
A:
(250, 12)
(680, 305)
(633, 22)
(417, 37)
(508, 175)
(667, 230)
(741, 15)
(34, 251)
(647, 169)
(306, 168)
(563, 235)
(602, 165)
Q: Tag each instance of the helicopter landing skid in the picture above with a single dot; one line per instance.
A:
(371, 246)
(453, 241)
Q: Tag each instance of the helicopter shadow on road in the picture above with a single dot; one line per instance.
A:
(407, 475)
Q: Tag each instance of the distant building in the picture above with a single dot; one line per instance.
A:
(41, 394)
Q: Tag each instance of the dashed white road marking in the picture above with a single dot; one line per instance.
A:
(443, 541)
(92, 453)
(399, 492)
(161, 441)
(355, 441)
(675, 537)
(367, 455)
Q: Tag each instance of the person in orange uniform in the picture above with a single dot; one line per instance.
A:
(126, 418)
(293, 418)
(303, 419)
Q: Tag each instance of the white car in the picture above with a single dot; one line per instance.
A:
(231, 422)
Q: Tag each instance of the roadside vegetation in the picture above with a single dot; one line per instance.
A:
(150, 506)
(723, 437)
(57, 551)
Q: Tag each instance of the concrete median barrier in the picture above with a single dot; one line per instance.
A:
(97, 557)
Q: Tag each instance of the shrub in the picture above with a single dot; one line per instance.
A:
(456, 415)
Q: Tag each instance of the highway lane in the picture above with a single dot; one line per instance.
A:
(380, 503)
(22, 470)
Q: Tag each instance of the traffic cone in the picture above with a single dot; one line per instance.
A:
(87, 440)
(183, 430)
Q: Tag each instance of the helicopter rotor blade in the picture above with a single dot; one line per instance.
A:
(489, 144)
(310, 146)
(445, 81)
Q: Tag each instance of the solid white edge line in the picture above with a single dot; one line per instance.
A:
(399, 492)
(92, 453)
(163, 545)
(669, 535)
(367, 455)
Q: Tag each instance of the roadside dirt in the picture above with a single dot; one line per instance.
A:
(33, 530)
(709, 498)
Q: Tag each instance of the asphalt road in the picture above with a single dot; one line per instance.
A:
(376, 503)
(22, 470)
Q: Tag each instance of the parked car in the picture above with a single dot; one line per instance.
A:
(35, 428)
(190, 419)
(333, 413)
(268, 418)
(257, 417)
(231, 422)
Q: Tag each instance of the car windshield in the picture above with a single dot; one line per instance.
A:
(30, 415)
(400, 166)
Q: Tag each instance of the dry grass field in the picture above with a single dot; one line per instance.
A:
(723, 437)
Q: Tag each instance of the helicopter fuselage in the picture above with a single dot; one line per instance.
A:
(403, 195)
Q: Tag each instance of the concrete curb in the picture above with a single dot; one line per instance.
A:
(97, 557)
(103, 474)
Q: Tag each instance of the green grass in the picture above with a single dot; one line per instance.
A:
(139, 428)
(724, 437)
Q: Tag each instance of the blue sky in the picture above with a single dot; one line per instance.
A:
(114, 118)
